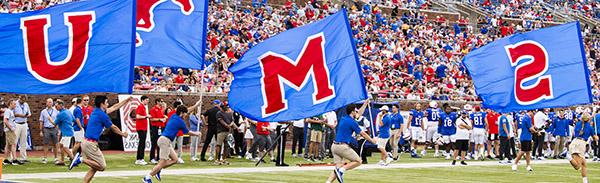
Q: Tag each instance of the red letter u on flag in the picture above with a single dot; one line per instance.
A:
(35, 43)
(278, 69)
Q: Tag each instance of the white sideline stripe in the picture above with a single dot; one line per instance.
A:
(129, 173)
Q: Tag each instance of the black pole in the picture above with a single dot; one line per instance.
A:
(272, 146)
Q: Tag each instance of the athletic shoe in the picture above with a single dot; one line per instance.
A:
(6, 162)
(157, 176)
(453, 162)
(196, 159)
(529, 169)
(211, 158)
(76, 161)
(44, 161)
(447, 156)
(514, 167)
(490, 158)
(339, 175)
(248, 156)
(388, 160)
(294, 155)
(153, 161)
(415, 155)
(463, 163)
(16, 162)
(147, 179)
(436, 155)
(202, 159)
(468, 158)
(381, 163)
(140, 162)
(180, 161)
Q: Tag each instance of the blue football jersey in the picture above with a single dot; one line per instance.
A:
(448, 126)
(417, 118)
(433, 114)
(478, 119)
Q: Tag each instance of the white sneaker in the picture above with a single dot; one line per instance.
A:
(436, 155)
(388, 160)
(180, 161)
(140, 162)
(541, 158)
(423, 152)
(514, 167)
(194, 159)
(294, 156)
(153, 161)
(211, 158)
(248, 156)
(447, 156)
(381, 163)
(529, 169)
(44, 161)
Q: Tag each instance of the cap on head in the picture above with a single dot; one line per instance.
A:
(384, 108)
(433, 104)
(468, 107)
(73, 100)
(217, 102)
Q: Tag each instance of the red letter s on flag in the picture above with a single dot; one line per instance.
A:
(37, 55)
(533, 69)
(278, 69)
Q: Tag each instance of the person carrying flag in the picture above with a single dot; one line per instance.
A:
(341, 149)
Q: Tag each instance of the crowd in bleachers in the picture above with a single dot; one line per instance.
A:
(404, 53)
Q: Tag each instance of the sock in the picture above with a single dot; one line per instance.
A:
(569, 157)
(342, 169)
(148, 176)
(585, 180)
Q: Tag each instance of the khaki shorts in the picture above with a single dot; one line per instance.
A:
(11, 138)
(316, 136)
(91, 151)
(577, 147)
(343, 152)
(164, 145)
(66, 142)
(382, 142)
(221, 138)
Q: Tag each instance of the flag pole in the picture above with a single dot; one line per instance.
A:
(199, 110)
(371, 120)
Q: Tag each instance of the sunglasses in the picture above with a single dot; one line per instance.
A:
(86, 99)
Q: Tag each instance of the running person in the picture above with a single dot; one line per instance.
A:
(433, 116)
(480, 125)
(417, 131)
(447, 124)
(527, 129)
(90, 152)
(341, 149)
(583, 131)
(167, 154)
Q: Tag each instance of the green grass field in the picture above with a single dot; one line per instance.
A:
(496, 173)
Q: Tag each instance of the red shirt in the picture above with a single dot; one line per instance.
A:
(157, 112)
(179, 79)
(87, 111)
(180, 133)
(262, 128)
(492, 118)
(141, 124)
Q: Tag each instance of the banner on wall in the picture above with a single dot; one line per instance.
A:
(130, 143)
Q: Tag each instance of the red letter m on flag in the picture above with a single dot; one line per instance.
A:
(278, 69)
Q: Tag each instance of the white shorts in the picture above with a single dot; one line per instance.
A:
(549, 138)
(248, 135)
(78, 135)
(449, 138)
(417, 134)
(66, 142)
(382, 142)
(431, 133)
(479, 135)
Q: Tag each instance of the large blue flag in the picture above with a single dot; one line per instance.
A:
(539, 69)
(72, 48)
(299, 73)
(171, 33)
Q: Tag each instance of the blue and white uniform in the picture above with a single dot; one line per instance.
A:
(479, 131)
(416, 129)
(433, 116)
(448, 126)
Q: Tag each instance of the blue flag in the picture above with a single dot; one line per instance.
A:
(539, 69)
(72, 48)
(171, 33)
(299, 73)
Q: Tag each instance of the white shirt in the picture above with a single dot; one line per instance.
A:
(299, 123)
(511, 123)
(462, 134)
(10, 116)
(540, 119)
(331, 117)
(71, 109)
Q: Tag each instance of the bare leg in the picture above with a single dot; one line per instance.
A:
(76, 147)
(383, 153)
(527, 158)
(90, 174)
(56, 149)
(45, 147)
(162, 164)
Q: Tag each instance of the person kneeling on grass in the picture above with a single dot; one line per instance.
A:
(167, 154)
(583, 131)
(341, 149)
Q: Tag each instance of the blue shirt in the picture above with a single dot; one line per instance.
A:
(77, 114)
(96, 124)
(433, 115)
(417, 118)
(64, 121)
(397, 120)
(525, 126)
(503, 121)
(587, 131)
(596, 121)
(560, 127)
(48, 113)
(345, 128)
(448, 126)
(478, 119)
(193, 123)
(173, 126)
(569, 115)
(384, 130)
(22, 108)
